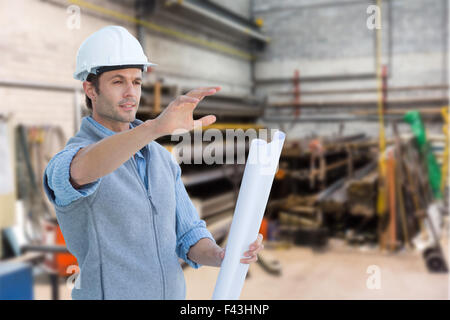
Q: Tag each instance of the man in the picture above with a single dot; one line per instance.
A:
(118, 195)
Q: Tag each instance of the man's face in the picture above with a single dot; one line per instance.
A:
(118, 99)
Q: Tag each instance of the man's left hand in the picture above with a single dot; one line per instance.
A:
(251, 254)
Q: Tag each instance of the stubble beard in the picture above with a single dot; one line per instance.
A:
(110, 111)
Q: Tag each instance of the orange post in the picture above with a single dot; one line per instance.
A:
(263, 228)
(392, 200)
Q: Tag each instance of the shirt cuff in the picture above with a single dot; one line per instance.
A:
(61, 192)
(190, 239)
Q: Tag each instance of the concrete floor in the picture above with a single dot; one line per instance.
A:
(339, 272)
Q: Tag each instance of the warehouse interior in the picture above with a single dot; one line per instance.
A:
(358, 207)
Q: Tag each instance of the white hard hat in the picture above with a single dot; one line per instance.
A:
(109, 48)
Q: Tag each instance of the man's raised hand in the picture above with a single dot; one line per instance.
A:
(178, 116)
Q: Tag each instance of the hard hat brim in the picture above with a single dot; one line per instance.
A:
(83, 75)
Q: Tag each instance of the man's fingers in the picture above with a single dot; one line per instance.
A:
(204, 121)
(202, 92)
(257, 242)
(252, 252)
(207, 120)
(204, 89)
(255, 247)
(250, 260)
(188, 99)
(260, 238)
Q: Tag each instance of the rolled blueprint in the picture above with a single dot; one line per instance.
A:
(255, 188)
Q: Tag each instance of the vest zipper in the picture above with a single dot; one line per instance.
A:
(153, 209)
(157, 252)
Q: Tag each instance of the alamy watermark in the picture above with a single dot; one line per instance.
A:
(230, 146)
(373, 282)
(73, 21)
(374, 19)
(74, 280)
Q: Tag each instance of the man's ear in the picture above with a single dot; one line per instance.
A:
(89, 89)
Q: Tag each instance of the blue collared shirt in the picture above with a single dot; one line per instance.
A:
(139, 159)
(66, 195)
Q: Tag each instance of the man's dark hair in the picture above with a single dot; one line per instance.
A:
(92, 78)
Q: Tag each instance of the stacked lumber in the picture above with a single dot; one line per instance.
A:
(362, 195)
(322, 161)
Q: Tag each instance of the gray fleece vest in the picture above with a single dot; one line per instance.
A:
(123, 240)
